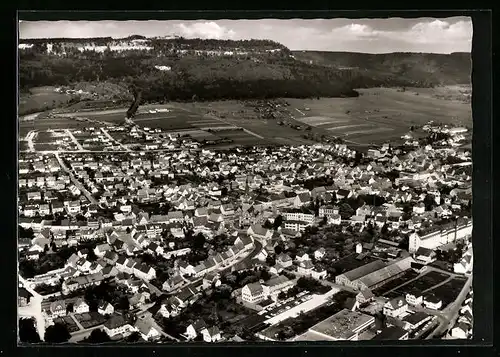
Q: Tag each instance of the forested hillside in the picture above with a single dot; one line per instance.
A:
(182, 69)
(424, 69)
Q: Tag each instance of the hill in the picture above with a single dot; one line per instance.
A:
(423, 69)
(165, 69)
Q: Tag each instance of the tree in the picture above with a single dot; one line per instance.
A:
(278, 250)
(346, 211)
(57, 333)
(134, 337)
(270, 261)
(98, 336)
(277, 222)
(27, 331)
(199, 241)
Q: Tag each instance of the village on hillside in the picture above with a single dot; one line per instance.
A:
(130, 234)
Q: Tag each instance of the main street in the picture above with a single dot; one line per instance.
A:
(75, 181)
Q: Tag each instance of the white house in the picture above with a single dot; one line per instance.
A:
(80, 306)
(117, 325)
(105, 308)
(395, 307)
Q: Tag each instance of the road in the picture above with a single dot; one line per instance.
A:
(75, 181)
(105, 132)
(34, 309)
(29, 137)
(72, 137)
(449, 315)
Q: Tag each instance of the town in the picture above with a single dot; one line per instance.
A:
(130, 234)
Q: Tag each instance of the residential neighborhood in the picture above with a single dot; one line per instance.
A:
(279, 243)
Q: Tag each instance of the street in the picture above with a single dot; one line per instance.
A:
(34, 309)
(75, 181)
(72, 137)
(450, 313)
(105, 132)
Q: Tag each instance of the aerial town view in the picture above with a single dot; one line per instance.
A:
(244, 180)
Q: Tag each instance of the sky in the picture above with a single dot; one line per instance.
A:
(446, 35)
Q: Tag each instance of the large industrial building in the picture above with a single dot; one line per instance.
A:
(374, 274)
(439, 235)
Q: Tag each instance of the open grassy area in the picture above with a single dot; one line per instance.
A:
(41, 98)
(449, 291)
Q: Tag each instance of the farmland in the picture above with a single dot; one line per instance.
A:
(380, 114)
(421, 284)
(41, 98)
(377, 115)
(449, 291)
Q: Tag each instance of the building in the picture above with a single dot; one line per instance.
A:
(346, 325)
(211, 334)
(146, 329)
(105, 308)
(328, 211)
(350, 278)
(296, 226)
(23, 297)
(298, 215)
(364, 296)
(118, 325)
(58, 309)
(432, 302)
(383, 275)
(395, 307)
(416, 320)
(275, 285)
(195, 328)
(392, 333)
(439, 235)
(80, 306)
(414, 297)
(252, 293)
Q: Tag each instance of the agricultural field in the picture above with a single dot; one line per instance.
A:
(41, 98)
(379, 114)
(51, 123)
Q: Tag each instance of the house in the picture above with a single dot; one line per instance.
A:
(432, 302)
(284, 260)
(414, 297)
(415, 320)
(58, 308)
(211, 334)
(145, 272)
(342, 193)
(305, 267)
(419, 208)
(101, 249)
(395, 307)
(425, 255)
(302, 199)
(275, 285)
(195, 328)
(461, 330)
(118, 325)
(365, 296)
(145, 327)
(210, 279)
(252, 293)
(335, 219)
(105, 308)
(80, 306)
(172, 283)
(328, 211)
(259, 232)
(319, 253)
(24, 297)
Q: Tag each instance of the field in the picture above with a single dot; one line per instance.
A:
(41, 98)
(376, 116)
(421, 284)
(380, 114)
(393, 284)
(449, 291)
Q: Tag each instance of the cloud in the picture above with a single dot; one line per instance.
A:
(360, 35)
(205, 30)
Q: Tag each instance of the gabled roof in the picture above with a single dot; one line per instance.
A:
(255, 288)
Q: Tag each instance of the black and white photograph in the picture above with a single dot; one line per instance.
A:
(244, 180)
